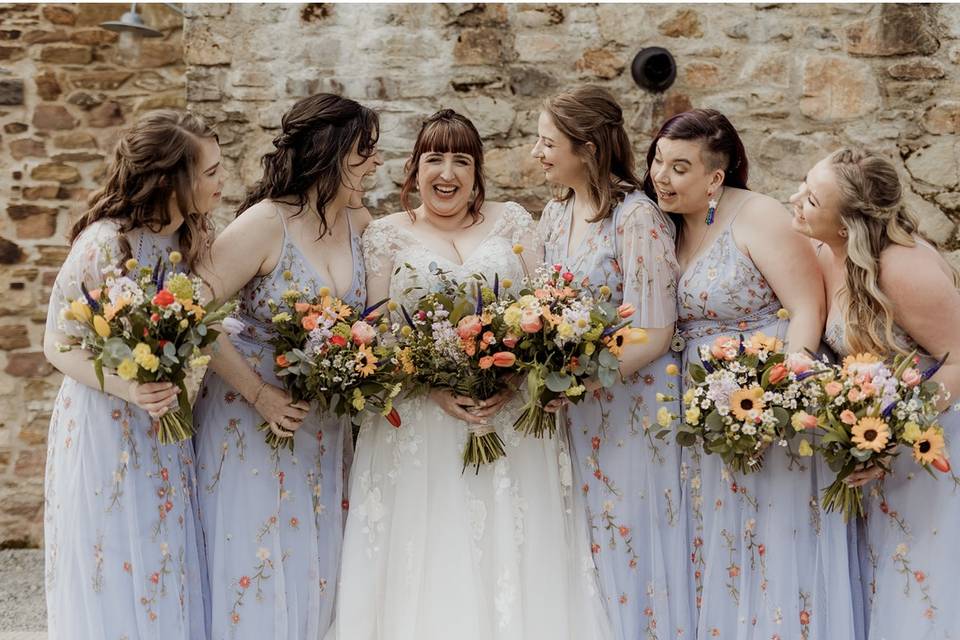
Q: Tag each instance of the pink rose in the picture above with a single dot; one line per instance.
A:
(911, 377)
(848, 417)
(469, 326)
(362, 333)
(530, 322)
(854, 395)
(777, 373)
(833, 388)
(805, 421)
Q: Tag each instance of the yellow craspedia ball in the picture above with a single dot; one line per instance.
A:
(518, 249)
(405, 331)
(131, 264)
(672, 370)
(176, 257)
(507, 283)
(392, 306)
(324, 292)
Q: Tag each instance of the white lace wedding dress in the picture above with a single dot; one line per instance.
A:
(431, 553)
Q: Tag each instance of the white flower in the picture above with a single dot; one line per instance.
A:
(263, 554)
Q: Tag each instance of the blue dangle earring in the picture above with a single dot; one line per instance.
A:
(711, 210)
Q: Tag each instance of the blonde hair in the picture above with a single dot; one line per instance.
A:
(872, 209)
(591, 114)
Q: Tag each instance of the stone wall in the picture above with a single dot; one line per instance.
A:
(66, 86)
(797, 81)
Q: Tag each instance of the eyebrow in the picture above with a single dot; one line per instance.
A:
(212, 167)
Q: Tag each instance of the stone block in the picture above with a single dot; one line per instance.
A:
(10, 252)
(204, 46)
(15, 127)
(66, 54)
(513, 168)
(700, 75)
(74, 140)
(836, 88)
(24, 211)
(685, 23)
(27, 364)
(916, 70)
(30, 464)
(93, 37)
(894, 30)
(43, 192)
(11, 53)
(44, 36)
(48, 87)
(36, 227)
(53, 117)
(481, 45)
(490, 116)
(11, 92)
(108, 114)
(157, 53)
(27, 147)
(56, 171)
(601, 63)
(59, 14)
(937, 164)
(14, 336)
(538, 47)
(99, 80)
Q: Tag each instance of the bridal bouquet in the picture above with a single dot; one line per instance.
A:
(867, 410)
(455, 339)
(148, 326)
(747, 395)
(564, 335)
(327, 352)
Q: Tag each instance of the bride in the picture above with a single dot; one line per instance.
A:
(430, 552)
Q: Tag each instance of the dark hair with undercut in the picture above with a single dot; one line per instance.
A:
(446, 131)
(318, 133)
(721, 146)
(591, 114)
(154, 159)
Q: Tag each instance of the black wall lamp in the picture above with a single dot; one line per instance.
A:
(654, 69)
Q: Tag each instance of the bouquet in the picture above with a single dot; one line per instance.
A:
(148, 326)
(564, 335)
(744, 396)
(328, 352)
(454, 339)
(867, 410)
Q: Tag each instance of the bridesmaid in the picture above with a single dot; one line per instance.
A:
(273, 519)
(890, 291)
(767, 563)
(122, 542)
(608, 232)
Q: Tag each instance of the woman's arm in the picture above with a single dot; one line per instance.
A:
(788, 263)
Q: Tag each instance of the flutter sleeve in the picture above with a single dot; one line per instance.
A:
(647, 256)
(519, 227)
(94, 252)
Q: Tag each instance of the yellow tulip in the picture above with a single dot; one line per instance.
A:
(101, 326)
(81, 310)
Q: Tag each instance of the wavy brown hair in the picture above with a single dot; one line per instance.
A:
(872, 209)
(318, 133)
(590, 114)
(155, 159)
(446, 131)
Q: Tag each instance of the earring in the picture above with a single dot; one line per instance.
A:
(843, 233)
(711, 210)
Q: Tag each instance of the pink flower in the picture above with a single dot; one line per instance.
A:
(798, 362)
(724, 348)
(625, 310)
(504, 359)
(558, 267)
(777, 373)
(833, 388)
(854, 395)
(362, 333)
(911, 377)
(486, 362)
(469, 326)
(510, 341)
(530, 322)
(848, 417)
(567, 277)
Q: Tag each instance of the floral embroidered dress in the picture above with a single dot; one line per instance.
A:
(433, 553)
(273, 520)
(908, 556)
(767, 562)
(630, 479)
(122, 541)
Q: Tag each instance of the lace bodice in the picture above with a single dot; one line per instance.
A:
(394, 253)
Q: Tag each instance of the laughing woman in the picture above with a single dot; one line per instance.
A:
(123, 545)
(608, 232)
(272, 518)
(890, 292)
(767, 562)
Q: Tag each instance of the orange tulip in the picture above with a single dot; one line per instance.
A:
(504, 359)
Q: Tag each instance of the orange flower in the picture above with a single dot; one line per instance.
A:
(804, 617)
(778, 373)
(309, 322)
(469, 346)
(725, 348)
(301, 307)
(244, 582)
(486, 362)
(504, 359)
(626, 310)
(282, 361)
(469, 327)
(870, 434)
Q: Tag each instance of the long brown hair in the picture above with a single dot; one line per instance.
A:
(318, 133)
(591, 114)
(872, 209)
(446, 131)
(154, 159)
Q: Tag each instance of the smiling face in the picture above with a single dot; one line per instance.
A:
(816, 204)
(357, 167)
(557, 154)
(683, 182)
(208, 176)
(446, 181)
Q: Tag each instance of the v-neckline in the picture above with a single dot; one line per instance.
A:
(705, 253)
(568, 258)
(486, 238)
(316, 273)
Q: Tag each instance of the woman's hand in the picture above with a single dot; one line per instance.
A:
(468, 409)
(278, 409)
(862, 476)
(156, 398)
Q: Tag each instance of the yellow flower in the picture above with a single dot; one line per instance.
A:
(747, 403)
(589, 348)
(688, 395)
(911, 432)
(692, 415)
(506, 283)
(783, 314)
(142, 350)
(131, 264)
(290, 294)
(151, 363)
(604, 291)
(623, 337)
(184, 323)
(805, 449)
(760, 340)
(405, 331)
(283, 316)
(512, 316)
(565, 330)
(199, 361)
(870, 434)
(127, 369)
(392, 306)
(672, 370)
(358, 401)
(663, 417)
(101, 326)
(324, 292)
(860, 358)
(406, 362)
(287, 275)
(366, 361)
(518, 249)
(929, 446)
(176, 257)
(81, 311)
(181, 287)
(575, 391)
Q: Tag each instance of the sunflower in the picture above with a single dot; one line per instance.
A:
(366, 361)
(747, 403)
(623, 337)
(871, 434)
(929, 446)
